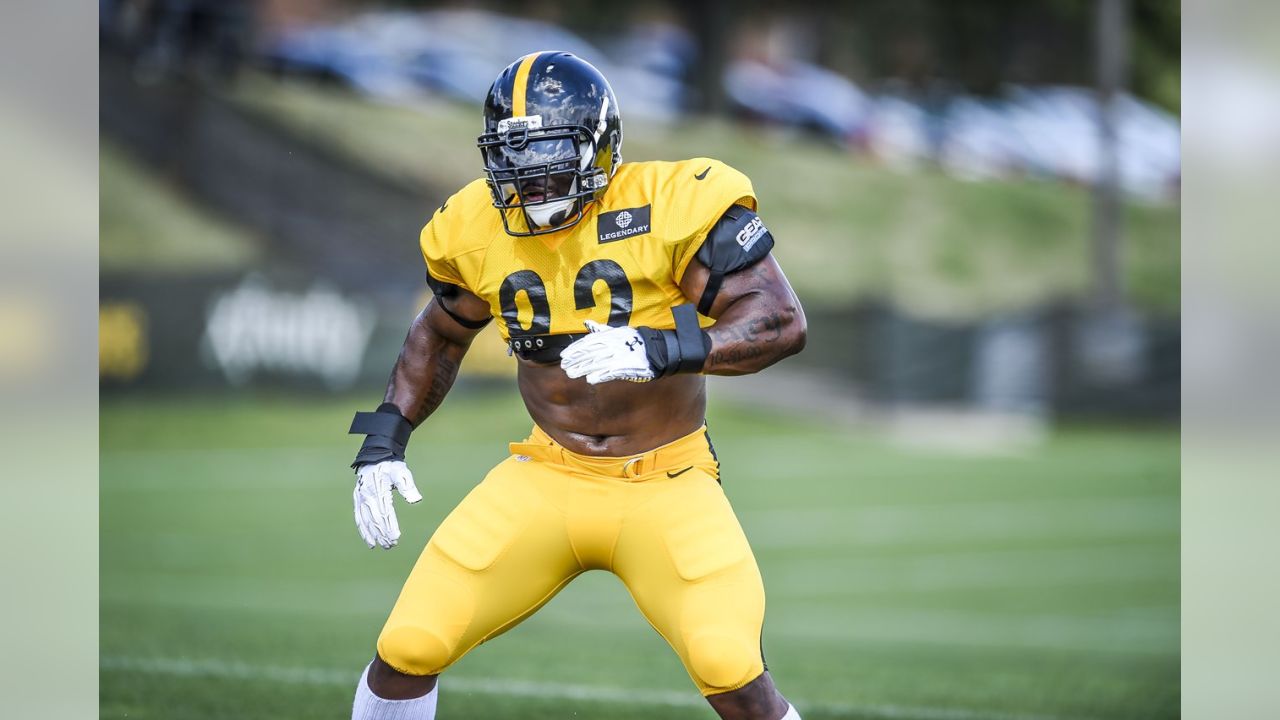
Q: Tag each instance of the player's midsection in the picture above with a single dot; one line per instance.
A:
(615, 418)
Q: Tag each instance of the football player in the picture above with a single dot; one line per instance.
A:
(618, 287)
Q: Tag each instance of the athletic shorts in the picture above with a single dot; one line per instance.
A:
(659, 521)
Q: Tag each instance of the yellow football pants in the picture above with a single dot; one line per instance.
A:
(659, 521)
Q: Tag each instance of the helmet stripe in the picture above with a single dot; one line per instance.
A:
(521, 83)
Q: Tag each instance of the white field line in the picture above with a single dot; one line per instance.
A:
(215, 668)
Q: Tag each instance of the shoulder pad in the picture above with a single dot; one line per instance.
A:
(444, 238)
(738, 240)
(694, 194)
(449, 233)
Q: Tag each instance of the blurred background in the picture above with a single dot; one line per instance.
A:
(977, 202)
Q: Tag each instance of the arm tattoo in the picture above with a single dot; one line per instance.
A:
(446, 373)
(733, 356)
(424, 372)
(437, 374)
(759, 327)
(767, 328)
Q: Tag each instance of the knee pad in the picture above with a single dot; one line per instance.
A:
(414, 650)
(427, 624)
(720, 662)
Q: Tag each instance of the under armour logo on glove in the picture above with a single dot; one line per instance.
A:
(607, 353)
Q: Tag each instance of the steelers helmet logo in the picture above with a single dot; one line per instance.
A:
(623, 219)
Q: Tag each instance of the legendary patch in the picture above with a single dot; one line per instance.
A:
(619, 224)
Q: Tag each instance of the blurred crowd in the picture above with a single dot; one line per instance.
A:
(1023, 130)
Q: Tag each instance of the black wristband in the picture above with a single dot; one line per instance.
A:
(694, 344)
(657, 348)
(682, 350)
(387, 434)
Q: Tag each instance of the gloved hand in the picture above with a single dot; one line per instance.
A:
(375, 514)
(608, 353)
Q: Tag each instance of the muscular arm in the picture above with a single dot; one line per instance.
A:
(759, 320)
(431, 355)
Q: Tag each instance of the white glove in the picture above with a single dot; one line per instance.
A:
(607, 353)
(375, 515)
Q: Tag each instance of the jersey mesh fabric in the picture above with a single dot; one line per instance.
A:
(620, 265)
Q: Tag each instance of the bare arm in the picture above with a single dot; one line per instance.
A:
(423, 374)
(759, 320)
(432, 354)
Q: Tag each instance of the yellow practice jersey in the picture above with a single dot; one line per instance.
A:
(621, 264)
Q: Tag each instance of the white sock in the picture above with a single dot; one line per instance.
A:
(791, 713)
(371, 707)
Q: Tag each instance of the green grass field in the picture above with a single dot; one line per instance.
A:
(901, 584)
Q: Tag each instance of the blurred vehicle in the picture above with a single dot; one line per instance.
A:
(1058, 133)
(799, 94)
(1040, 132)
(457, 53)
(981, 141)
(1045, 132)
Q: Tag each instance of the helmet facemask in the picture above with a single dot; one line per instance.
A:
(549, 174)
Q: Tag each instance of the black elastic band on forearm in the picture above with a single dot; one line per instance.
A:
(670, 352)
(690, 338)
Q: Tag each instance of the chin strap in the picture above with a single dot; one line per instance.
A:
(551, 210)
(682, 350)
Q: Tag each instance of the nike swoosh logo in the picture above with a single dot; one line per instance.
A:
(703, 173)
(674, 474)
(442, 207)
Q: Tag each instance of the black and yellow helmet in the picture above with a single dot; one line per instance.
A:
(552, 140)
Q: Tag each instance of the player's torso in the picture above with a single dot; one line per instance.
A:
(617, 265)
